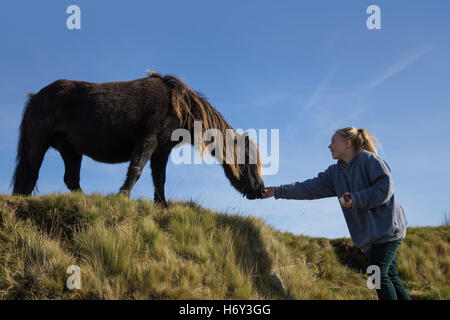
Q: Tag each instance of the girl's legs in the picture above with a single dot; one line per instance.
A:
(383, 255)
(399, 288)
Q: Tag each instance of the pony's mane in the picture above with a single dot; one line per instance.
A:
(190, 105)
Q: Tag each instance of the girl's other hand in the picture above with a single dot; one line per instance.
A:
(347, 204)
(268, 192)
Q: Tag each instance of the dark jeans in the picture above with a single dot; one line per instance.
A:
(384, 256)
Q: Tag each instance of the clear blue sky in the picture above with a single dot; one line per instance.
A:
(303, 67)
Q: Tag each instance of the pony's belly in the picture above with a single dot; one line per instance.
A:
(109, 153)
(107, 158)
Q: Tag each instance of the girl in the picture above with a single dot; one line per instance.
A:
(376, 222)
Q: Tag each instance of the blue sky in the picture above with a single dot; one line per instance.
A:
(306, 68)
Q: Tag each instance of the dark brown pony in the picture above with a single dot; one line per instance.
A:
(122, 121)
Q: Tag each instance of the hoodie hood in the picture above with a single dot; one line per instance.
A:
(344, 165)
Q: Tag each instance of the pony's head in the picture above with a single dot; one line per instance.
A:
(244, 168)
(245, 173)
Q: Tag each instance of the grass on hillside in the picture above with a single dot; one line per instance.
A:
(134, 249)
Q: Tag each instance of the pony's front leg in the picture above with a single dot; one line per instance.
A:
(158, 164)
(142, 152)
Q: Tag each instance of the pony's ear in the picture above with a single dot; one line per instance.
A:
(151, 73)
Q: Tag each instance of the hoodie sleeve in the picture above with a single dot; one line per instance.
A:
(381, 189)
(316, 188)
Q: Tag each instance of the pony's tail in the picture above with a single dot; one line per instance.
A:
(21, 179)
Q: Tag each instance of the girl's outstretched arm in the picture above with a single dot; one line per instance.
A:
(316, 188)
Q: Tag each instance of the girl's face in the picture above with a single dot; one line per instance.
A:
(340, 148)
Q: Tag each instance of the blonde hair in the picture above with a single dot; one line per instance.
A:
(361, 138)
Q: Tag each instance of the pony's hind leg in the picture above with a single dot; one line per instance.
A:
(72, 164)
(72, 161)
(142, 152)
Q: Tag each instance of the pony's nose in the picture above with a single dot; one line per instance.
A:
(261, 191)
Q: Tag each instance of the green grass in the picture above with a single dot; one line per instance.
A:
(134, 249)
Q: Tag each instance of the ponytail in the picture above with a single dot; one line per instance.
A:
(361, 138)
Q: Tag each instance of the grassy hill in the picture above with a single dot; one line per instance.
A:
(133, 249)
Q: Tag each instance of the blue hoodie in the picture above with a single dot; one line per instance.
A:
(375, 215)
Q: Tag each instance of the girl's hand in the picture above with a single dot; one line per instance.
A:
(268, 192)
(349, 203)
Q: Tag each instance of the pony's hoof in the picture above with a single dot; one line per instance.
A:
(125, 193)
(163, 205)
